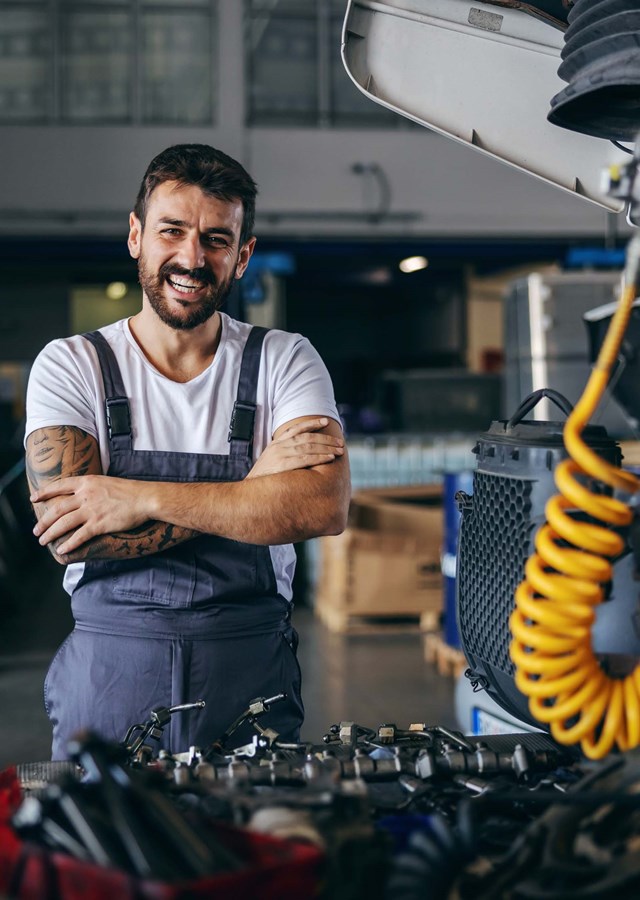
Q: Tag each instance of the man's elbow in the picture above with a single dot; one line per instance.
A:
(326, 511)
(338, 522)
(65, 559)
(337, 515)
(59, 558)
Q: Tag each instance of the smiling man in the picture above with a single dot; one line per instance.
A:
(173, 459)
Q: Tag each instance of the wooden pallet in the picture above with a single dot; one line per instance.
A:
(448, 660)
(346, 622)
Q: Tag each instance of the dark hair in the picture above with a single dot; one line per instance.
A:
(215, 173)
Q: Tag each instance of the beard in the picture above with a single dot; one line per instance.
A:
(194, 312)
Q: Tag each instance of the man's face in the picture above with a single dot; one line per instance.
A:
(188, 253)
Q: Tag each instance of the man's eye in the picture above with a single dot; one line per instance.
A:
(170, 231)
(216, 240)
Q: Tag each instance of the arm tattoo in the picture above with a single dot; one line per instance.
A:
(56, 452)
(62, 451)
(59, 452)
(145, 540)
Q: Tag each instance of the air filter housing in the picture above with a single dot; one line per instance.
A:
(511, 484)
(601, 63)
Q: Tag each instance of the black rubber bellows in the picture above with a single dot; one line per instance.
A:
(601, 64)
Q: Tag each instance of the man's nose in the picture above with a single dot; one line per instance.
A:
(191, 252)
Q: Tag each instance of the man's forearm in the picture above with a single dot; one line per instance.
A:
(274, 509)
(307, 495)
(147, 539)
(61, 451)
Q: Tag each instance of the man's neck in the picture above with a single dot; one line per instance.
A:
(178, 355)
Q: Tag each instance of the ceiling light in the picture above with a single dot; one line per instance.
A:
(413, 264)
(383, 275)
(116, 290)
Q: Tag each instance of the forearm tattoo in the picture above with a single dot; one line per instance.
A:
(152, 537)
(63, 451)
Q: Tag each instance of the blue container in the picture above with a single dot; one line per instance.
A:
(453, 482)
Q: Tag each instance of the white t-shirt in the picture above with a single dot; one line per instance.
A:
(66, 388)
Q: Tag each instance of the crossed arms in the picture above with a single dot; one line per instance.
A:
(298, 488)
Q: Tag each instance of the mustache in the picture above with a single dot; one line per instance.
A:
(203, 273)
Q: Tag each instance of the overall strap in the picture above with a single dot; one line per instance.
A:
(244, 409)
(116, 403)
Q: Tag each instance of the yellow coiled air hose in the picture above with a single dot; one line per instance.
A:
(551, 649)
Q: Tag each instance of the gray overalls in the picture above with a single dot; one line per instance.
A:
(201, 620)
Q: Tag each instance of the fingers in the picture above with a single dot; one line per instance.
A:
(74, 541)
(274, 464)
(301, 445)
(61, 526)
(306, 460)
(310, 442)
(52, 513)
(313, 444)
(310, 425)
(71, 524)
(289, 463)
(55, 489)
(298, 455)
(308, 429)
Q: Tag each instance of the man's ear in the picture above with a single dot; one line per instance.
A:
(135, 235)
(244, 256)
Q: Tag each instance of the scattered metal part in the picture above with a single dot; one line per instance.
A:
(135, 739)
(489, 813)
(256, 708)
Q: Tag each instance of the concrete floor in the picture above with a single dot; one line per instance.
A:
(369, 679)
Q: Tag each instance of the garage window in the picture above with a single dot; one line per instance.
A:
(117, 62)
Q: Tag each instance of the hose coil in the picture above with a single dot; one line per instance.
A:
(551, 649)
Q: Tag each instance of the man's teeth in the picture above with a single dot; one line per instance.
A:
(184, 285)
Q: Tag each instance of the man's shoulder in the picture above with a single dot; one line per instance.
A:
(63, 349)
(275, 339)
(76, 346)
(115, 331)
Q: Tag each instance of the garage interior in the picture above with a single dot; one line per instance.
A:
(442, 288)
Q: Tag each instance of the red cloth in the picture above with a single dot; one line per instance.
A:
(274, 869)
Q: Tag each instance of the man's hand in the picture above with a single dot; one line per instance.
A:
(86, 507)
(63, 466)
(298, 446)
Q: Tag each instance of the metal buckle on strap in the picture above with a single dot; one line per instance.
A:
(118, 416)
(242, 419)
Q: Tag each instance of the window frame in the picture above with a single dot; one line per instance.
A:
(56, 11)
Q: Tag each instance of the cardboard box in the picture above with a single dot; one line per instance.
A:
(630, 454)
(387, 562)
(408, 511)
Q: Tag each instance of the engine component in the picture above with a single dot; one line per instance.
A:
(134, 740)
(601, 63)
(464, 797)
(256, 708)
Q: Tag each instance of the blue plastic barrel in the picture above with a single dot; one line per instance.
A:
(453, 482)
